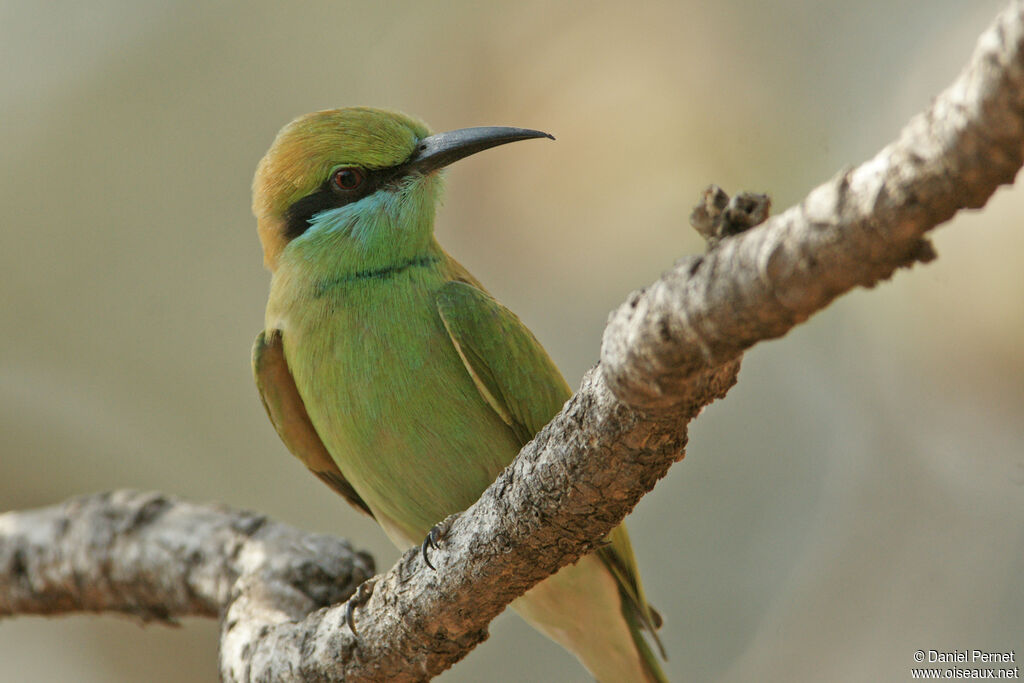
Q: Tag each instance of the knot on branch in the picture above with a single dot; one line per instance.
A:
(718, 216)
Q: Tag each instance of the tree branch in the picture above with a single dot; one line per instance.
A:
(667, 352)
(157, 558)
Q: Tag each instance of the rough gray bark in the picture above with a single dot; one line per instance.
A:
(157, 558)
(667, 352)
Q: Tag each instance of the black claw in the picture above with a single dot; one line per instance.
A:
(359, 598)
(350, 616)
(430, 542)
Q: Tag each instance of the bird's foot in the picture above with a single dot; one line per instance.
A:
(358, 599)
(434, 537)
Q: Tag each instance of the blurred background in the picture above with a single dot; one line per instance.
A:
(859, 494)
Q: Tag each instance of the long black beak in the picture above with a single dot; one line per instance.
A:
(437, 151)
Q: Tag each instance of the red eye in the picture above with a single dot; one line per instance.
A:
(348, 178)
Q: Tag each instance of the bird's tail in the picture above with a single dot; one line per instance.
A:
(648, 658)
(582, 607)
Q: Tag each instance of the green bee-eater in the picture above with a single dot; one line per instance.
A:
(395, 377)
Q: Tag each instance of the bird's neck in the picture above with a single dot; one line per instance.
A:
(430, 259)
(317, 292)
(324, 270)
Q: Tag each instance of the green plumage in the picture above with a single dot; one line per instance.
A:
(394, 376)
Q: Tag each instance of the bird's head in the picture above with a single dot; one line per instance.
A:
(358, 183)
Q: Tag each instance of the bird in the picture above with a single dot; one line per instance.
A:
(394, 375)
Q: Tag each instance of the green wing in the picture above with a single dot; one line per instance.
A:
(510, 368)
(288, 414)
(520, 382)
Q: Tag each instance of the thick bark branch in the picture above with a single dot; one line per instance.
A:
(667, 352)
(157, 558)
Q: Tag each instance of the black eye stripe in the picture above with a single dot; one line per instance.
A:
(329, 196)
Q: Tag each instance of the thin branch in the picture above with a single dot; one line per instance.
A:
(667, 352)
